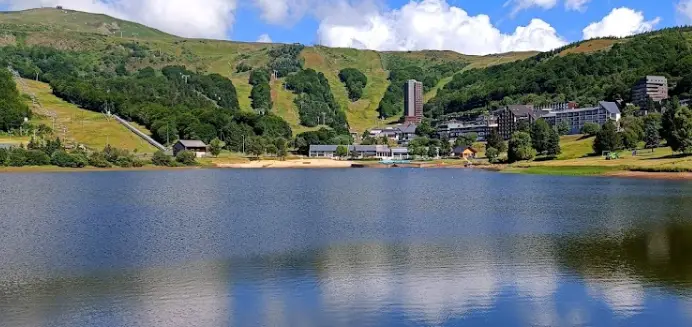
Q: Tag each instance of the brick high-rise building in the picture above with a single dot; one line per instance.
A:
(413, 102)
(650, 87)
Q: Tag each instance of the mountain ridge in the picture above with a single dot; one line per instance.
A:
(79, 31)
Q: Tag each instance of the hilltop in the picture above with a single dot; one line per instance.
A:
(95, 33)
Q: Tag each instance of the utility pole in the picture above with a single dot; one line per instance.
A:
(243, 144)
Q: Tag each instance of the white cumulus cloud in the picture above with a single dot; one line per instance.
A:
(429, 24)
(684, 10)
(189, 18)
(620, 22)
(519, 5)
(264, 38)
(282, 12)
(576, 5)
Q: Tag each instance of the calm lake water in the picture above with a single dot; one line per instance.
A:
(390, 247)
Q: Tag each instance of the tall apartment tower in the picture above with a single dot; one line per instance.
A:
(650, 87)
(413, 102)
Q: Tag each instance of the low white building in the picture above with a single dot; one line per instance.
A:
(359, 151)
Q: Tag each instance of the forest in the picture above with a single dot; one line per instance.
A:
(172, 102)
(355, 81)
(584, 78)
(392, 103)
(315, 101)
(261, 91)
(12, 108)
(285, 59)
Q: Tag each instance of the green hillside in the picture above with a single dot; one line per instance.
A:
(586, 72)
(93, 33)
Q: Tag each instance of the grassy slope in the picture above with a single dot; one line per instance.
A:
(576, 159)
(86, 127)
(361, 114)
(72, 30)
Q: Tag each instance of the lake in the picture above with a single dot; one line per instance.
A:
(352, 247)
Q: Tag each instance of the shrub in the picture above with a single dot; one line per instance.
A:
(63, 159)
(17, 157)
(4, 154)
(37, 158)
(162, 159)
(492, 154)
(98, 160)
(123, 162)
(187, 158)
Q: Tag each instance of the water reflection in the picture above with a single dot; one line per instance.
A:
(523, 281)
(278, 248)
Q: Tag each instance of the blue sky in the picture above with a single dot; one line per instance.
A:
(468, 26)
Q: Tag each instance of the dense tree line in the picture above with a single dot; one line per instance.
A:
(173, 102)
(285, 59)
(585, 78)
(315, 101)
(323, 136)
(355, 81)
(392, 103)
(12, 108)
(261, 94)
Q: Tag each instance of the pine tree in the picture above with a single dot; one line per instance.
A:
(554, 143)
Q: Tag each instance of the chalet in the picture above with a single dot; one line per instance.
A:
(198, 147)
(465, 152)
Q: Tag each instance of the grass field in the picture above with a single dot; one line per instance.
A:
(578, 159)
(86, 127)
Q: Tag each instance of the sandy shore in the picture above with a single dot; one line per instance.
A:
(650, 175)
(297, 163)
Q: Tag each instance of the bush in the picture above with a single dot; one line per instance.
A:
(99, 160)
(492, 154)
(17, 157)
(162, 159)
(37, 158)
(63, 159)
(187, 158)
(4, 154)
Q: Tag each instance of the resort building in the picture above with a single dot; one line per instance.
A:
(360, 151)
(654, 88)
(198, 147)
(577, 117)
(401, 134)
(509, 118)
(413, 102)
(482, 126)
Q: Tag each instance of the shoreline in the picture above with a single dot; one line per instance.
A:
(575, 171)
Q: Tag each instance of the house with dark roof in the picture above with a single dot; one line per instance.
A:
(198, 147)
(577, 117)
